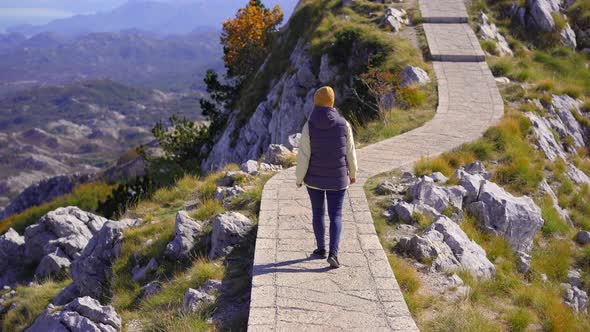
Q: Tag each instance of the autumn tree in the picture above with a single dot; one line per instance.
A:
(381, 85)
(246, 38)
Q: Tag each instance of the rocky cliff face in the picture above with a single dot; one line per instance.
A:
(283, 113)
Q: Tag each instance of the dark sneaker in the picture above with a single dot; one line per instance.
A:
(333, 261)
(320, 253)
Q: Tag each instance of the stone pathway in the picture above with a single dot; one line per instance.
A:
(290, 290)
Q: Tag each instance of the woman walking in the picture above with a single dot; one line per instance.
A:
(326, 164)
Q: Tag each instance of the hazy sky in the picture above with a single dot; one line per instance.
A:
(13, 12)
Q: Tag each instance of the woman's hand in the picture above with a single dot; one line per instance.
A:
(352, 180)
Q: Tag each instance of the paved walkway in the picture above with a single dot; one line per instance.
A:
(291, 291)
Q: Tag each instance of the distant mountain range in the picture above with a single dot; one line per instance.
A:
(169, 17)
(176, 62)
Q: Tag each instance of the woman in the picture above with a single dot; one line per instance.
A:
(326, 164)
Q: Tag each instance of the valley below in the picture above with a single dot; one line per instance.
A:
(79, 128)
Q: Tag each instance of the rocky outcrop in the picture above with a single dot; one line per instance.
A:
(280, 115)
(250, 167)
(411, 75)
(231, 178)
(545, 189)
(92, 270)
(489, 31)
(546, 141)
(12, 253)
(277, 154)
(229, 229)
(194, 300)
(395, 19)
(448, 248)
(539, 14)
(187, 232)
(59, 237)
(426, 192)
(140, 273)
(568, 37)
(43, 192)
(82, 314)
(575, 298)
(225, 194)
(558, 126)
(576, 175)
(517, 219)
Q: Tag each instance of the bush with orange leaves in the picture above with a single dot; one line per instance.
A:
(246, 38)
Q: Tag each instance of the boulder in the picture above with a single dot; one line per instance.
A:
(574, 278)
(517, 219)
(438, 177)
(68, 229)
(294, 141)
(140, 273)
(53, 264)
(568, 37)
(92, 271)
(194, 299)
(12, 252)
(250, 167)
(583, 237)
(229, 229)
(502, 80)
(563, 106)
(540, 14)
(576, 175)
(231, 178)
(387, 187)
(150, 289)
(277, 154)
(471, 183)
(187, 233)
(489, 31)
(405, 211)
(411, 75)
(448, 248)
(225, 194)
(575, 298)
(82, 314)
(546, 141)
(395, 18)
(426, 192)
(477, 168)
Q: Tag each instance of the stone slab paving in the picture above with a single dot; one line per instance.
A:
(447, 11)
(453, 42)
(293, 292)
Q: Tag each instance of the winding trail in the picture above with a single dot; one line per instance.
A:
(291, 291)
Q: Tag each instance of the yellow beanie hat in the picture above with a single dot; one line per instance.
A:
(324, 96)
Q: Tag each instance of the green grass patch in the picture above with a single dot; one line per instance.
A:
(30, 303)
(85, 196)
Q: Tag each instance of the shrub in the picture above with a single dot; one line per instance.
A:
(501, 67)
(425, 166)
(553, 259)
(519, 319)
(410, 97)
(490, 47)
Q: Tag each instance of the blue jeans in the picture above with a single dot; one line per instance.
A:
(335, 200)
